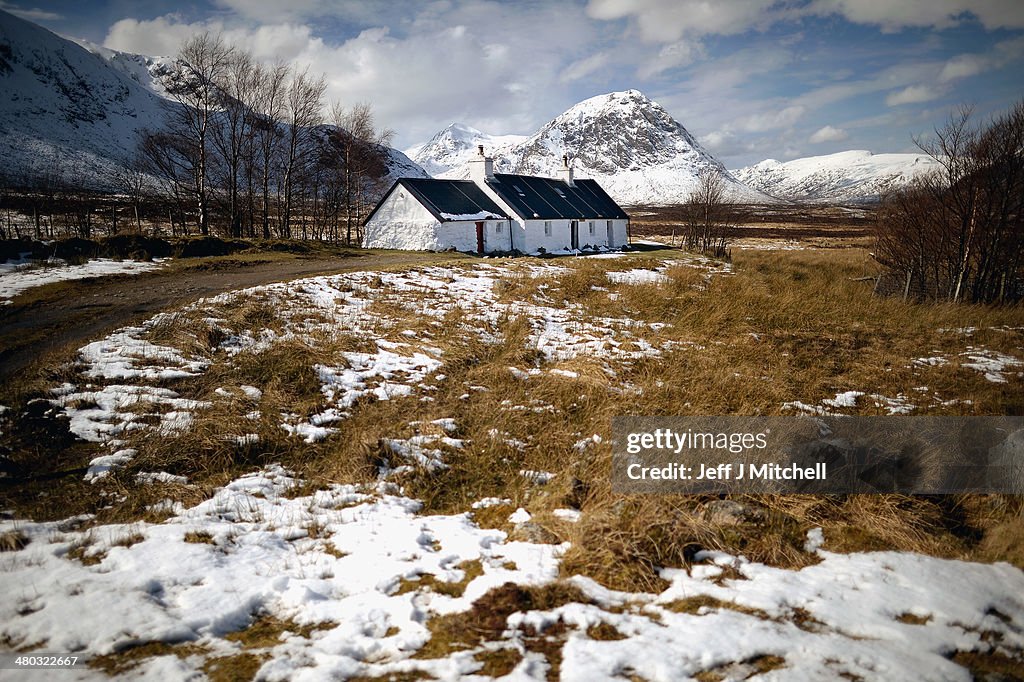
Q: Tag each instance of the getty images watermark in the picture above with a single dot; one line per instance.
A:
(821, 455)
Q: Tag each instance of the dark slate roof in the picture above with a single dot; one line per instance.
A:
(548, 198)
(445, 198)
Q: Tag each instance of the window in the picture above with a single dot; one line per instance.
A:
(497, 228)
(591, 227)
(547, 228)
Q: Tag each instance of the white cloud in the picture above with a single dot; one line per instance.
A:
(31, 14)
(443, 64)
(771, 119)
(584, 67)
(962, 66)
(913, 94)
(972, 64)
(162, 36)
(827, 134)
(671, 56)
(669, 20)
(893, 16)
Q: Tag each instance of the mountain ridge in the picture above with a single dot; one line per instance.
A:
(854, 175)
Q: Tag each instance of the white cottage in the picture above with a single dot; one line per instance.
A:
(497, 212)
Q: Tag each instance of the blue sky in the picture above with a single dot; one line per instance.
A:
(751, 79)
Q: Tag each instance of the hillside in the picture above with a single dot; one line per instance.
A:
(66, 112)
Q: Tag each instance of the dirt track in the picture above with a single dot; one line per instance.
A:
(36, 336)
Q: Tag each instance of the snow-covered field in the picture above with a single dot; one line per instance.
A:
(21, 276)
(340, 568)
(356, 576)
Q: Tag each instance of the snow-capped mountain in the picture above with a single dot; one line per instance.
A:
(144, 70)
(76, 111)
(65, 111)
(628, 143)
(453, 147)
(851, 176)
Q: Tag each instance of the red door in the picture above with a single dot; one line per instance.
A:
(480, 238)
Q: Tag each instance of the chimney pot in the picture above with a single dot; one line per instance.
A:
(481, 169)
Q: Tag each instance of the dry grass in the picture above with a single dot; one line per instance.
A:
(471, 570)
(698, 604)
(199, 537)
(497, 662)
(125, 660)
(752, 667)
(234, 668)
(82, 551)
(487, 619)
(784, 326)
(13, 541)
(268, 631)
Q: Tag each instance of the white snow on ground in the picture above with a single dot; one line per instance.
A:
(105, 414)
(18, 277)
(748, 244)
(424, 450)
(335, 560)
(933, 361)
(992, 364)
(852, 399)
(636, 276)
(130, 364)
(847, 399)
(570, 515)
(100, 467)
(123, 355)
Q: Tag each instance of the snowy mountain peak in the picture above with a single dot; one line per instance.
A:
(855, 175)
(619, 131)
(454, 146)
(629, 143)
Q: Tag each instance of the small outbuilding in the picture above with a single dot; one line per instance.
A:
(497, 213)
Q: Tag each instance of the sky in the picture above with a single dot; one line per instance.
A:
(751, 79)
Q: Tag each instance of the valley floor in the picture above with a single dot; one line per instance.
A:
(402, 473)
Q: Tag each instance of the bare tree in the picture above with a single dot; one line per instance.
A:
(957, 234)
(237, 86)
(168, 159)
(708, 216)
(303, 105)
(268, 109)
(131, 179)
(202, 64)
(362, 158)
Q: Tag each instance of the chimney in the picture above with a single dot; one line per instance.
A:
(565, 173)
(481, 168)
